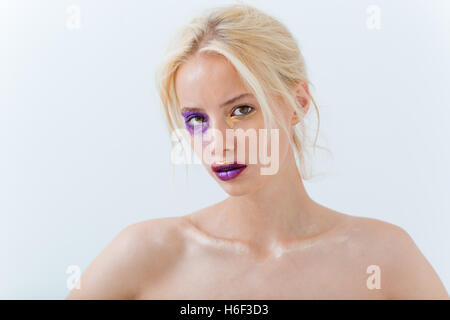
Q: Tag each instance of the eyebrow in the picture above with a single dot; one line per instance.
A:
(230, 101)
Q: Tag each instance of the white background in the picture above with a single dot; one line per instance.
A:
(84, 151)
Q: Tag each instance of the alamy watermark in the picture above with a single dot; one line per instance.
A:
(209, 147)
(374, 280)
(73, 20)
(373, 21)
(73, 281)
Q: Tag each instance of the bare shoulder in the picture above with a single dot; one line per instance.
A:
(372, 229)
(405, 271)
(139, 252)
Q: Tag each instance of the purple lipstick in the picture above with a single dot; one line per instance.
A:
(228, 171)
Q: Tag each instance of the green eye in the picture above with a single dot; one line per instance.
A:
(243, 110)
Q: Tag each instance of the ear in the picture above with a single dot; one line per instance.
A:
(301, 93)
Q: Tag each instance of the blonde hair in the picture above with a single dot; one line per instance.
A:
(262, 50)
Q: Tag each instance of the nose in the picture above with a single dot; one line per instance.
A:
(220, 147)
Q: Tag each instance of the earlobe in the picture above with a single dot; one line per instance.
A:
(295, 119)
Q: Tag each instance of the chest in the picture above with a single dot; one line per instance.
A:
(308, 275)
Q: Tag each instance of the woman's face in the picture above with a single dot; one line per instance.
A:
(206, 86)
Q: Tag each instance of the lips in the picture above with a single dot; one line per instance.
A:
(228, 171)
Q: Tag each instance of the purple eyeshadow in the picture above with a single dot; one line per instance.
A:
(190, 114)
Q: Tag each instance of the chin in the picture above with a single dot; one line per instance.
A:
(235, 191)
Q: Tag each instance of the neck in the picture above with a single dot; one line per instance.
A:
(275, 214)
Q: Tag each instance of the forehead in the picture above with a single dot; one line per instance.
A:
(207, 79)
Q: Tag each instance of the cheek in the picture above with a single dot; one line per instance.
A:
(276, 145)
(202, 146)
(255, 121)
(284, 145)
(198, 129)
(197, 144)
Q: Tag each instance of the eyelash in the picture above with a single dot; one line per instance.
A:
(244, 105)
(188, 119)
(195, 116)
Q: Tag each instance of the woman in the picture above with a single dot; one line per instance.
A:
(235, 67)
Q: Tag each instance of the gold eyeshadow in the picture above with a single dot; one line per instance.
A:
(230, 119)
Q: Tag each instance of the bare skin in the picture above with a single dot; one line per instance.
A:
(173, 258)
(268, 240)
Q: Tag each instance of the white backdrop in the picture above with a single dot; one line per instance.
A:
(84, 151)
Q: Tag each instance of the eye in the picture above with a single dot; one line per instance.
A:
(242, 110)
(195, 120)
